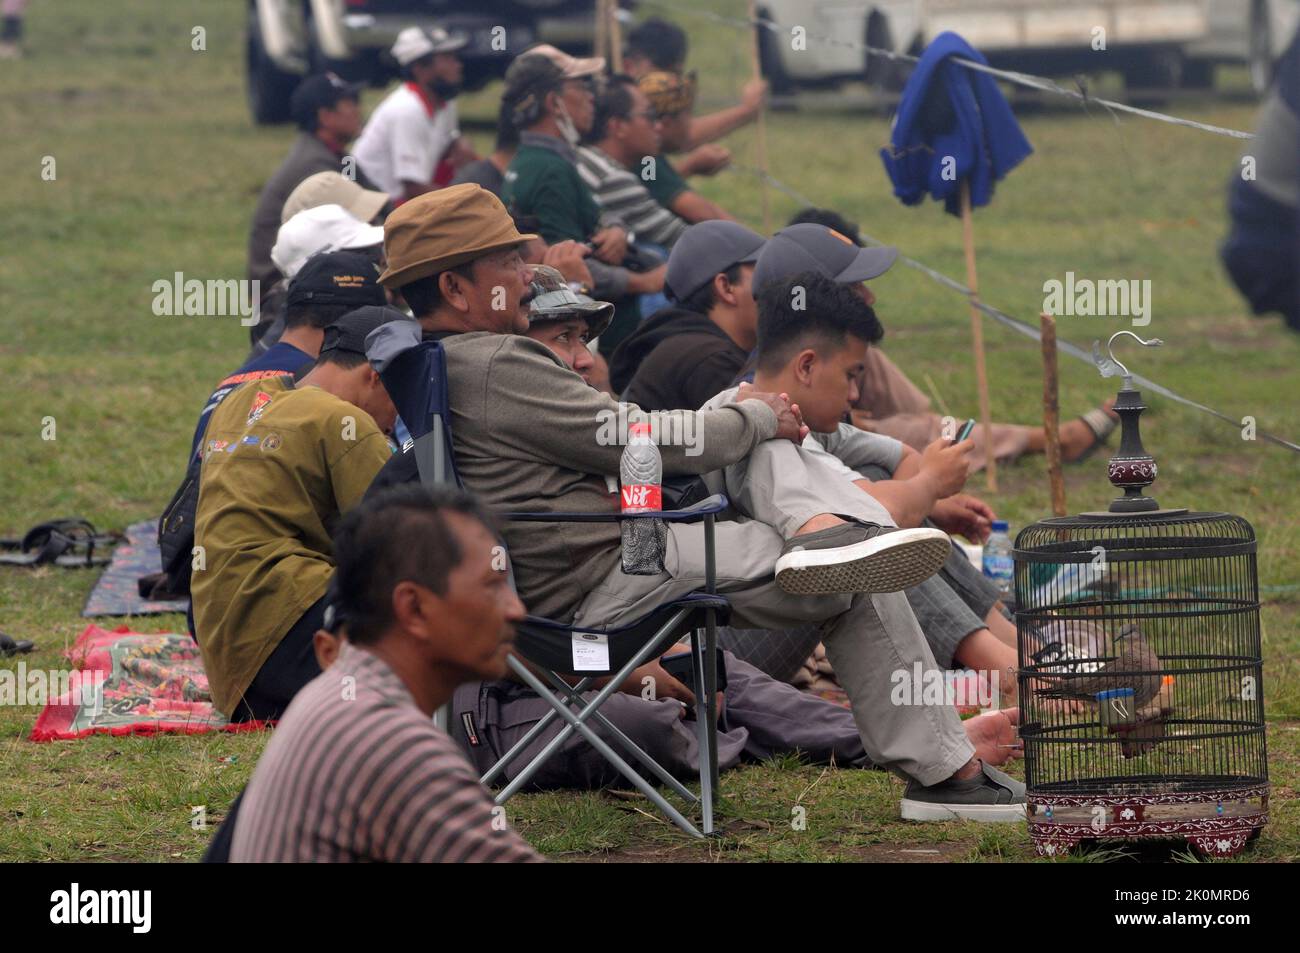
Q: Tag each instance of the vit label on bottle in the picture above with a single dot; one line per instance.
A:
(642, 498)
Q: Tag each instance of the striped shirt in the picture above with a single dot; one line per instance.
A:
(356, 772)
(623, 195)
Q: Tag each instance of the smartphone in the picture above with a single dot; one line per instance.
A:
(965, 431)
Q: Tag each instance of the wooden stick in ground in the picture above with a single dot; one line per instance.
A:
(600, 44)
(977, 337)
(1052, 415)
(760, 123)
(614, 37)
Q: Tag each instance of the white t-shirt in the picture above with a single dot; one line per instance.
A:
(403, 142)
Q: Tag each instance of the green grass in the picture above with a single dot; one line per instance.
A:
(158, 168)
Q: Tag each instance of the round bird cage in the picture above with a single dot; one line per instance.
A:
(1141, 692)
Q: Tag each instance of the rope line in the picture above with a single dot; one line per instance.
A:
(1017, 325)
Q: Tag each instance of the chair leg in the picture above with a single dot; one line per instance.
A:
(630, 746)
(708, 735)
(562, 709)
(575, 723)
(711, 679)
(527, 739)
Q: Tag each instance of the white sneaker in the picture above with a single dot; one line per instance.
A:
(861, 557)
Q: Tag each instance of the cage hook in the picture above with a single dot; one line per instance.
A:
(1110, 367)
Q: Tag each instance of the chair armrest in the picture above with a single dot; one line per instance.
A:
(692, 514)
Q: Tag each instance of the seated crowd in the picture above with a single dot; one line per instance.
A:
(335, 593)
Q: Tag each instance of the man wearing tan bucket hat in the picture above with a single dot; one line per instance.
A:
(529, 434)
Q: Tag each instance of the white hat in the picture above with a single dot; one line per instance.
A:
(332, 188)
(573, 67)
(323, 228)
(414, 43)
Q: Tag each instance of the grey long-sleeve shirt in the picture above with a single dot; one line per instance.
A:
(530, 435)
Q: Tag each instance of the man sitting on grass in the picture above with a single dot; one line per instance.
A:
(528, 436)
(281, 462)
(356, 769)
(327, 287)
(813, 336)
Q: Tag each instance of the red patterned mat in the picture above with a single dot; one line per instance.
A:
(132, 683)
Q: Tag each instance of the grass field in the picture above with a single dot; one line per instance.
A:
(157, 171)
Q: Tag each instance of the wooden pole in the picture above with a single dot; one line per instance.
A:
(1052, 415)
(614, 36)
(977, 337)
(600, 46)
(760, 123)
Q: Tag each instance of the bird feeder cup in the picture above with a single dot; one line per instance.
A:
(1140, 670)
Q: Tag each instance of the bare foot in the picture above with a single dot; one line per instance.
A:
(1077, 437)
(994, 736)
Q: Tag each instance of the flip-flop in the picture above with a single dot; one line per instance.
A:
(71, 526)
(11, 646)
(58, 542)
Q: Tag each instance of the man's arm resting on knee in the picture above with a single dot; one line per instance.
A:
(543, 409)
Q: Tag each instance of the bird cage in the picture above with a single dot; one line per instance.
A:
(1141, 693)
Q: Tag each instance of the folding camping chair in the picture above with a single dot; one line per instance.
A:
(414, 373)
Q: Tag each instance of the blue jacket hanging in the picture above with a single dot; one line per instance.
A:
(948, 110)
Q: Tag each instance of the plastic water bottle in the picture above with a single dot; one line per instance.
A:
(641, 477)
(999, 567)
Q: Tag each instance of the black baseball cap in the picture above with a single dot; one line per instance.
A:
(809, 247)
(322, 91)
(337, 277)
(705, 250)
(349, 332)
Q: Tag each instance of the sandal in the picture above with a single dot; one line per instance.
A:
(63, 542)
(11, 646)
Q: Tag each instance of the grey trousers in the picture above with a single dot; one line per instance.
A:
(868, 638)
(761, 718)
(949, 606)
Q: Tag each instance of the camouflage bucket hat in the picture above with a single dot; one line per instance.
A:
(554, 300)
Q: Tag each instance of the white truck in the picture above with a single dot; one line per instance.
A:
(287, 39)
(1153, 43)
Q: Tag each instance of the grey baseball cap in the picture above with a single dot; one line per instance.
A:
(705, 250)
(809, 247)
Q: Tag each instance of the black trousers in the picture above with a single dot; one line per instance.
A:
(291, 666)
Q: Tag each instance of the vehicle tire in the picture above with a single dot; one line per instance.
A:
(269, 87)
(1260, 58)
(1198, 74)
(1151, 71)
(769, 59)
(880, 72)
